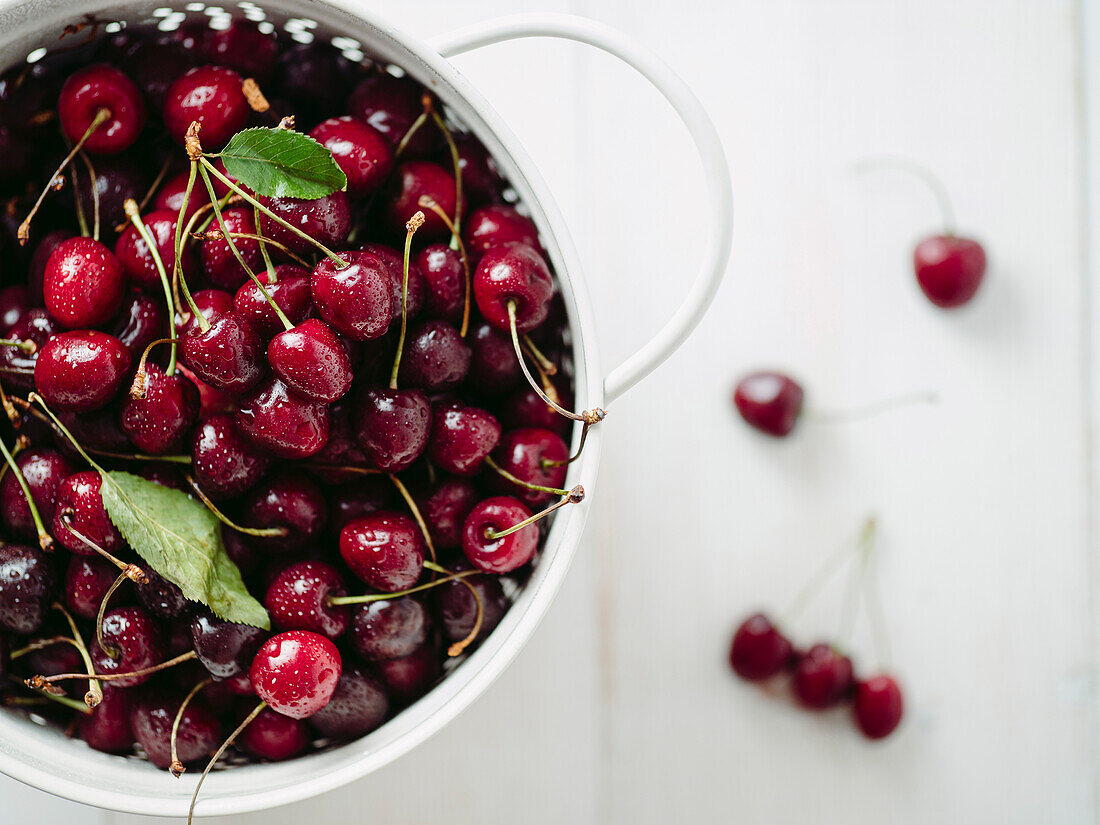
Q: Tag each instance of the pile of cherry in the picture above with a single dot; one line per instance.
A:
(340, 380)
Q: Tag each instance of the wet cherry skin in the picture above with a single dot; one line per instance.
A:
(298, 599)
(224, 648)
(524, 453)
(97, 87)
(135, 636)
(358, 706)
(223, 463)
(384, 549)
(275, 737)
(152, 716)
(361, 151)
(159, 421)
(44, 470)
(516, 274)
(296, 672)
(81, 371)
(28, 586)
(389, 629)
(212, 96)
(500, 555)
(281, 423)
(461, 437)
(498, 225)
(392, 426)
(311, 361)
(83, 284)
(354, 300)
(79, 506)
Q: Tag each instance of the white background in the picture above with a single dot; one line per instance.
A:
(622, 709)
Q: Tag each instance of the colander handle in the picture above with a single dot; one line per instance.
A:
(707, 143)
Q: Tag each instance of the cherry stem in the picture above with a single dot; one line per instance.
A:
(417, 517)
(178, 279)
(520, 483)
(29, 347)
(212, 169)
(420, 588)
(549, 462)
(545, 364)
(588, 416)
(40, 644)
(44, 539)
(853, 590)
(137, 386)
(21, 443)
(67, 701)
(872, 409)
(268, 265)
(574, 496)
(428, 203)
(95, 692)
(413, 224)
(133, 212)
(110, 677)
(456, 163)
(413, 129)
(95, 193)
(921, 172)
(176, 767)
(111, 651)
(825, 571)
(263, 240)
(459, 646)
(224, 519)
(218, 754)
(131, 571)
(13, 416)
(81, 218)
(101, 117)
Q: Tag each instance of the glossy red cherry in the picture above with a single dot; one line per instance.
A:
(389, 629)
(444, 280)
(391, 105)
(395, 265)
(456, 607)
(83, 284)
(117, 178)
(436, 358)
(134, 636)
(949, 269)
(227, 355)
(494, 369)
(878, 706)
(107, 728)
(44, 471)
(822, 677)
(152, 717)
(361, 151)
(281, 423)
(290, 292)
(211, 304)
(412, 181)
(79, 506)
(296, 672)
(275, 737)
(445, 507)
(225, 648)
(136, 259)
(292, 502)
(87, 580)
(141, 321)
(223, 463)
(500, 555)
(221, 265)
(95, 88)
(170, 196)
(461, 437)
(298, 599)
(769, 401)
(327, 220)
(81, 371)
(28, 586)
(759, 650)
(311, 361)
(535, 456)
(384, 549)
(498, 225)
(358, 706)
(212, 96)
(481, 181)
(159, 421)
(513, 274)
(18, 366)
(354, 300)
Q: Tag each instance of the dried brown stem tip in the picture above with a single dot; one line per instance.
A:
(177, 769)
(191, 141)
(135, 574)
(415, 222)
(287, 122)
(576, 495)
(254, 96)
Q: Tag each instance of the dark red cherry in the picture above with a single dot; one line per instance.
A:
(44, 470)
(92, 89)
(524, 408)
(494, 368)
(411, 676)
(533, 455)
(212, 96)
(456, 607)
(107, 728)
(224, 648)
(290, 291)
(17, 366)
(395, 265)
(361, 151)
(461, 437)
(298, 599)
(81, 371)
(292, 502)
(155, 67)
(223, 463)
(384, 549)
(117, 178)
(242, 47)
(55, 659)
(87, 580)
(141, 321)
(336, 464)
(79, 506)
(822, 677)
(481, 181)
(357, 499)
(14, 303)
(296, 672)
(275, 737)
(83, 284)
(500, 555)
(759, 650)
(42, 252)
(436, 358)
(878, 706)
(327, 220)
(211, 304)
(136, 259)
(152, 717)
(314, 76)
(159, 422)
(389, 629)
(358, 706)
(949, 269)
(513, 274)
(444, 280)
(498, 225)
(445, 507)
(311, 361)
(354, 300)
(97, 430)
(769, 401)
(412, 181)
(133, 635)
(392, 426)
(391, 105)
(221, 265)
(28, 586)
(281, 423)
(170, 196)
(163, 599)
(227, 355)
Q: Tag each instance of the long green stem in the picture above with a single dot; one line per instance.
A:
(457, 163)
(95, 693)
(218, 755)
(378, 597)
(44, 539)
(417, 517)
(520, 482)
(224, 519)
(575, 496)
(29, 347)
(177, 267)
(130, 207)
(93, 187)
(414, 223)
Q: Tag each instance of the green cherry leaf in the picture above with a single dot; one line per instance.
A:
(281, 163)
(182, 541)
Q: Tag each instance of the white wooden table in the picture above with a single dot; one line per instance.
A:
(622, 709)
